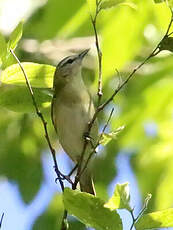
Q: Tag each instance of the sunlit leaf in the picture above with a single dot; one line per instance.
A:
(3, 46)
(158, 1)
(39, 75)
(113, 3)
(91, 211)
(170, 3)
(92, 6)
(107, 137)
(160, 219)
(120, 198)
(15, 36)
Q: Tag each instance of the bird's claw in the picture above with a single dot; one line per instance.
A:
(63, 177)
(87, 137)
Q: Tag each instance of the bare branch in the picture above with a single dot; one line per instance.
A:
(153, 54)
(1, 220)
(102, 106)
(134, 220)
(107, 123)
(170, 24)
(40, 115)
(99, 53)
(60, 176)
(98, 142)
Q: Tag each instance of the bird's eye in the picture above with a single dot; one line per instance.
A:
(69, 61)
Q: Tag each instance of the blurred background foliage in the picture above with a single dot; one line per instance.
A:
(54, 29)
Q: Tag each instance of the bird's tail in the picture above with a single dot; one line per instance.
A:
(86, 182)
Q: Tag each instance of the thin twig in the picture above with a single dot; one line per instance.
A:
(99, 91)
(102, 106)
(60, 176)
(134, 220)
(40, 115)
(170, 24)
(107, 123)
(1, 219)
(72, 171)
(98, 142)
(99, 53)
(64, 224)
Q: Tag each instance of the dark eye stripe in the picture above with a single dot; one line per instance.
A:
(70, 61)
(67, 60)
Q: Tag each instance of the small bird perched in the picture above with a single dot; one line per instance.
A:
(72, 110)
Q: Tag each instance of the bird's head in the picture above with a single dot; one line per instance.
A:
(68, 68)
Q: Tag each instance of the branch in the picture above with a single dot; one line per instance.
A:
(99, 91)
(98, 142)
(101, 107)
(134, 220)
(99, 53)
(1, 219)
(107, 123)
(40, 115)
(153, 54)
(60, 176)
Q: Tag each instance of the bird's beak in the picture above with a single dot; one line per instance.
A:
(82, 55)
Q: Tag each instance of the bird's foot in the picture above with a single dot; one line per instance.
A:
(61, 176)
(87, 137)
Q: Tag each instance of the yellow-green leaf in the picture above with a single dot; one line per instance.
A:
(91, 211)
(39, 75)
(3, 46)
(160, 219)
(15, 36)
(120, 198)
(158, 1)
(107, 137)
(92, 6)
(113, 3)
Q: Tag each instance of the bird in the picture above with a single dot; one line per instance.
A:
(72, 109)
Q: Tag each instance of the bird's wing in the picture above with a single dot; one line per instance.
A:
(52, 112)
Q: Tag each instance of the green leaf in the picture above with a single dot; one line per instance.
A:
(7, 61)
(39, 75)
(15, 36)
(169, 2)
(92, 6)
(113, 3)
(3, 47)
(160, 219)
(158, 1)
(52, 217)
(107, 137)
(167, 44)
(120, 198)
(91, 211)
(18, 99)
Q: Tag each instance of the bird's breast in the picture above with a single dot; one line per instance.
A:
(71, 120)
